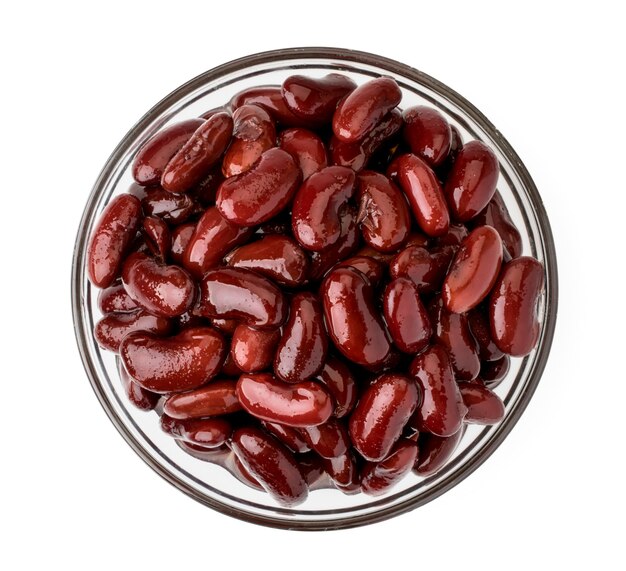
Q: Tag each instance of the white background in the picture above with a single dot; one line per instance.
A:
(75, 77)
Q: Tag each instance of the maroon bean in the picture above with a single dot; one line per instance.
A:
(241, 473)
(275, 256)
(472, 180)
(353, 323)
(207, 432)
(253, 350)
(112, 328)
(114, 299)
(427, 133)
(377, 478)
(456, 144)
(306, 148)
(253, 134)
(454, 237)
(369, 267)
(319, 205)
(329, 440)
(478, 320)
(380, 415)
(181, 236)
(159, 149)
(215, 399)
(493, 372)
(312, 468)
(315, 98)
(474, 270)
(230, 368)
(236, 293)
(221, 456)
(288, 435)
(483, 405)
(194, 159)
(136, 394)
(426, 270)
(441, 411)
(225, 326)
(406, 316)
(421, 187)
(301, 352)
(496, 214)
(298, 405)
(513, 306)
(271, 464)
(111, 238)
(340, 383)
(171, 208)
(170, 364)
(383, 213)
(157, 236)
(212, 239)
(363, 108)
(435, 451)
(343, 471)
(260, 193)
(380, 257)
(205, 191)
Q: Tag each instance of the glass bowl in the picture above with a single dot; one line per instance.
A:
(211, 484)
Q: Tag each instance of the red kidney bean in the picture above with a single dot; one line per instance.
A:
(383, 213)
(378, 478)
(454, 237)
(312, 468)
(195, 158)
(271, 464)
(225, 326)
(362, 109)
(220, 456)
(456, 144)
(441, 411)
(369, 267)
(171, 208)
(496, 214)
(157, 236)
(230, 368)
(319, 205)
(380, 257)
(205, 191)
(343, 471)
(137, 395)
(217, 398)
(163, 290)
(478, 320)
(493, 372)
(207, 432)
(253, 350)
(253, 134)
(435, 451)
(240, 472)
(111, 238)
(451, 330)
(275, 256)
(170, 364)
(472, 180)
(188, 319)
(380, 415)
(289, 436)
(261, 192)
(406, 316)
(212, 239)
(425, 269)
(340, 383)
(513, 306)
(483, 405)
(323, 261)
(236, 293)
(315, 98)
(421, 187)
(112, 328)
(181, 236)
(427, 133)
(114, 299)
(329, 440)
(159, 149)
(353, 323)
(306, 148)
(474, 270)
(301, 351)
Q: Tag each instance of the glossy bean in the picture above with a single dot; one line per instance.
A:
(136, 394)
(378, 478)
(428, 134)
(171, 208)
(113, 327)
(456, 144)
(312, 468)
(329, 440)
(369, 267)
(338, 379)
(425, 269)
(493, 373)
(157, 236)
(253, 350)
(217, 398)
(205, 191)
(343, 471)
(306, 148)
(483, 405)
(237, 469)
(454, 236)
(220, 456)
(229, 367)
(115, 299)
(206, 432)
(435, 451)
(496, 215)
(288, 435)
(181, 236)
(380, 257)
(225, 326)
(478, 320)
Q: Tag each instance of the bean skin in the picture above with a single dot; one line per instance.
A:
(435, 451)
(114, 299)
(496, 215)
(493, 372)
(343, 471)
(339, 381)
(171, 208)
(217, 398)
(427, 133)
(478, 320)
(157, 236)
(288, 435)
(136, 394)
(112, 328)
(306, 148)
(378, 478)
(369, 267)
(253, 350)
(206, 432)
(483, 405)
(181, 236)
(329, 440)
(425, 269)
(111, 238)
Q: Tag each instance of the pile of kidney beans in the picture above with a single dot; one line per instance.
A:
(313, 288)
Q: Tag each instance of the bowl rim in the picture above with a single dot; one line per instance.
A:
(383, 63)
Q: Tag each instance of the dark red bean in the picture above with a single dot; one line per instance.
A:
(456, 144)
(315, 98)
(299, 404)
(340, 383)
(425, 269)
(253, 134)
(378, 478)
(171, 208)
(205, 191)
(383, 212)
(240, 472)
(380, 257)
(261, 192)
(207, 432)
(221, 456)
(181, 236)
(169, 364)
(194, 159)
(230, 368)
(225, 326)
(353, 323)
(217, 398)
(277, 257)
(369, 267)
(513, 306)
(136, 394)
(363, 108)
(271, 464)
(406, 316)
(329, 440)
(496, 215)
(319, 205)
(421, 187)
(380, 415)
(483, 405)
(115, 299)
(454, 237)
(112, 328)
(343, 471)
(493, 372)
(435, 451)
(301, 352)
(288, 435)
(157, 236)
(441, 411)
(474, 270)
(427, 133)
(312, 468)
(478, 320)
(236, 293)
(111, 238)
(472, 180)
(212, 239)
(306, 148)
(159, 149)
(253, 350)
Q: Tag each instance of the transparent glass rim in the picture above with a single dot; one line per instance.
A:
(349, 56)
